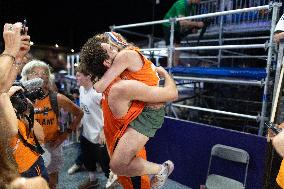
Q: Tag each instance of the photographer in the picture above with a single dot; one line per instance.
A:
(46, 113)
(8, 172)
(17, 45)
(25, 144)
(181, 8)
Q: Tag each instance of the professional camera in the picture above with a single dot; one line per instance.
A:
(32, 91)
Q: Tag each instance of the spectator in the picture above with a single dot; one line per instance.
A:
(181, 8)
(92, 139)
(46, 113)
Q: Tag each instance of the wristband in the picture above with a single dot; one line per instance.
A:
(11, 56)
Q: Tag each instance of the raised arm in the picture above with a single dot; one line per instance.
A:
(135, 90)
(8, 119)
(12, 40)
(125, 59)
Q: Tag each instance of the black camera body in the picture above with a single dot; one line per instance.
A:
(273, 127)
(24, 25)
(19, 98)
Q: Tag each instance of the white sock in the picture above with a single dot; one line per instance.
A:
(92, 176)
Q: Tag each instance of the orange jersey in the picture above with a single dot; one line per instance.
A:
(280, 176)
(114, 128)
(47, 118)
(23, 155)
(146, 74)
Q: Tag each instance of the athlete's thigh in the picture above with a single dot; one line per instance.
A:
(129, 145)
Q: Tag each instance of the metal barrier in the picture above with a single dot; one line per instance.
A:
(271, 10)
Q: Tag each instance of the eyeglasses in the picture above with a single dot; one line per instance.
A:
(36, 74)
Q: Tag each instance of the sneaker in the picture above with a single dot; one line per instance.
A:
(87, 184)
(73, 169)
(111, 181)
(159, 179)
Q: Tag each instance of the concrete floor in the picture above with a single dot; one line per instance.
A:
(73, 181)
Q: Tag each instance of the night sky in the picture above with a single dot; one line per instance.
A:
(71, 24)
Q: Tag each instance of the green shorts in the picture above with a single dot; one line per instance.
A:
(149, 121)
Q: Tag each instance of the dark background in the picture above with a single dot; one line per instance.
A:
(71, 23)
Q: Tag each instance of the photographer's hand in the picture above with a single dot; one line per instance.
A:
(14, 89)
(12, 38)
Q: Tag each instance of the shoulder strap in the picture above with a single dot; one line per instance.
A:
(36, 148)
(54, 103)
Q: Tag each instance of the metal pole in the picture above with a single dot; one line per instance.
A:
(171, 47)
(278, 67)
(212, 47)
(224, 81)
(222, 8)
(193, 17)
(217, 111)
(269, 57)
(68, 64)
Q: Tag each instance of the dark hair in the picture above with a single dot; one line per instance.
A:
(92, 56)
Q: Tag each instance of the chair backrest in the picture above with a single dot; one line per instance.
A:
(230, 153)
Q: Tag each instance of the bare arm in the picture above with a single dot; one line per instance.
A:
(278, 36)
(8, 119)
(69, 106)
(191, 24)
(121, 62)
(135, 90)
(12, 40)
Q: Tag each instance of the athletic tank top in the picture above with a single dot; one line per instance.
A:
(114, 129)
(146, 74)
(47, 119)
(23, 155)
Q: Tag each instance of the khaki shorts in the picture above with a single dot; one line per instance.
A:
(149, 121)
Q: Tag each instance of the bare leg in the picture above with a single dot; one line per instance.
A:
(123, 161)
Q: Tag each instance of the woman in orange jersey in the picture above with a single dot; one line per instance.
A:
(26, 148)
(126, 143)
(10, 179)
(46, 113)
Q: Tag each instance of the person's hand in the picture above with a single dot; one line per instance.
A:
(278, 36)
(14, 89)
(102, 139)
(12, 38)
(200, 24)
(161, 71)
(278, 143)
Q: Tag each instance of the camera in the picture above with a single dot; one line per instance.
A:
(273, 127)
(24, 25)
(19, 99)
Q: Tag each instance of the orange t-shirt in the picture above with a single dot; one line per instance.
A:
(23, 155)
(47, 118)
